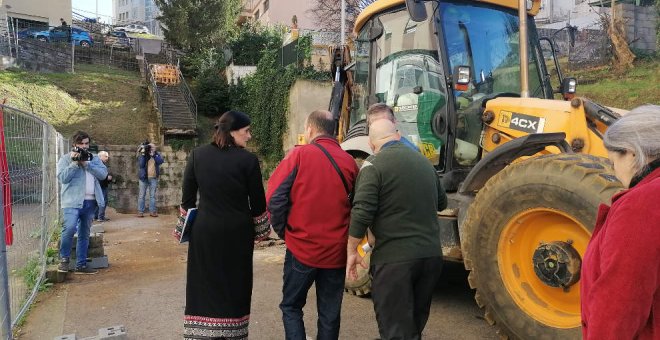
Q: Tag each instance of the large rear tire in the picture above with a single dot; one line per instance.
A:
(532, 219)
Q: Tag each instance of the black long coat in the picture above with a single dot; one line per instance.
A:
(231, 194)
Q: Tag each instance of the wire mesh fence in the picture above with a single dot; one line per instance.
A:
(29, 149)
(37, 46)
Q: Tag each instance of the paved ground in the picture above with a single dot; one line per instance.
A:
(144, 290)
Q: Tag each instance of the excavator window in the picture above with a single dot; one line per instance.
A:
(408, 78)
(484, 37)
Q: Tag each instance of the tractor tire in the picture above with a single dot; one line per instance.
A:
(546, 202)
(362, 285)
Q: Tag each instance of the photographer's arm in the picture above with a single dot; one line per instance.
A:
(142, 161)
(66, 169)
(158, 158)
(97, 168)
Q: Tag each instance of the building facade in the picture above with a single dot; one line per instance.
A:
(272, 12)
(32, 13)
(143, 12)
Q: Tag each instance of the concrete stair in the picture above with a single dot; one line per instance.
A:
(176, 115)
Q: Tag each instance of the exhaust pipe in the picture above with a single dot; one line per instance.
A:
(524, 49)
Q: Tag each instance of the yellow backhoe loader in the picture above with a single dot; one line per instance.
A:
(524, 173)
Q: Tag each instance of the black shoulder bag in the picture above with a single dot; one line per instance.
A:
(349, 193)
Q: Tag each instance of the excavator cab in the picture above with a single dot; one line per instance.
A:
(409, 66)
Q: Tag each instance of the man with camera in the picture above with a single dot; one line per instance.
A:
(79, 172)
(149, 161)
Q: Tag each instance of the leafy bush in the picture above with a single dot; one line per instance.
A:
(212, 94)
(252, 40)
(263, 95)
(195, 64)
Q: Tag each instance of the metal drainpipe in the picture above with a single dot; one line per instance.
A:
(524, 51)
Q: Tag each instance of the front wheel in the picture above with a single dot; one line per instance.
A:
(84, 43)
(524, 238)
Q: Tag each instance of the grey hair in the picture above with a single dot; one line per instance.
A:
(638, 132)
(103, 153)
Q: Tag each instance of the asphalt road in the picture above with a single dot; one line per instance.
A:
(144, 290)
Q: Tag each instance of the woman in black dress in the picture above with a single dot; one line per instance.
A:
(231, 217)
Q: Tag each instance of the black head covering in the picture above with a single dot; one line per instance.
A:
(241, 120)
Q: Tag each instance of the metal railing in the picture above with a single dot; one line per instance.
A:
(151, 82)
(29, 150)
(185, 90)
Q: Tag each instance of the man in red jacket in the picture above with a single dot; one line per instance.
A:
(309, 207)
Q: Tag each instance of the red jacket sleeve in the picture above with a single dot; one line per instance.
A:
(620, 299)
(278, 196)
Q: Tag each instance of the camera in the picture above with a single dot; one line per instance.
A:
(83, 155)
(144, 148)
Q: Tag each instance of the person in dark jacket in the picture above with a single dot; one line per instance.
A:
(231, 217)
(99, 215)
(397, 196)
(620, 278)
(309, 207)
(149, 161)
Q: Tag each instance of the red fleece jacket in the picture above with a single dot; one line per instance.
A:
(306, 198)
(621, 267)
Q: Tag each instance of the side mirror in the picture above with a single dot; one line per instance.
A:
(376, 29)
(568, 88)
(461, 77)
(416, 10)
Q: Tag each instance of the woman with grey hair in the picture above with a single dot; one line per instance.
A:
(620, 277)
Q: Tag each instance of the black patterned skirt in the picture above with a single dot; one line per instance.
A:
(199, 327)
(219, 277)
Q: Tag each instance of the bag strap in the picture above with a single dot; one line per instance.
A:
(334, 164)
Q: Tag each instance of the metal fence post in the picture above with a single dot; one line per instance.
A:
(5, 311)
(44, 191)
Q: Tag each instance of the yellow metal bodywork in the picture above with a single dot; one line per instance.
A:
(382, 5)
(557, 116)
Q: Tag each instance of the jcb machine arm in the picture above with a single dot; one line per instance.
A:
(340, 88)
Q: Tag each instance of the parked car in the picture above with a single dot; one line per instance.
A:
(28, 32)
(61, 34)
(117, 39)
(133, 28)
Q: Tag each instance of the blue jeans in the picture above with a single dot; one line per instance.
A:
(298, 278)
(72, 216)
(99, 214)
(152, 183)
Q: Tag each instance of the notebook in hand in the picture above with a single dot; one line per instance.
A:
(184, 227)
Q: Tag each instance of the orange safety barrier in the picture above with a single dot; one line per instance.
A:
(165, 74)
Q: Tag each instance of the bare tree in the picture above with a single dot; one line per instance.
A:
(614, 26)
(327, 13)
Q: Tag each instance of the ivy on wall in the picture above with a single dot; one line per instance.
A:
(264, 95)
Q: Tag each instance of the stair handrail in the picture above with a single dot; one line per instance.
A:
(187, 94)
(151, 81)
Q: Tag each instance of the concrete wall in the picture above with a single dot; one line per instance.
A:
(39, 56)
(37, 10)
(305, 97)
(123, 192)
(640, 25)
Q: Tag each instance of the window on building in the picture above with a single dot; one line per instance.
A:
(266, 5)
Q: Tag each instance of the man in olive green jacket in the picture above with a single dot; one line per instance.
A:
(397, 196)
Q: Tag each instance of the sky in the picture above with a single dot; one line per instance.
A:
(88, 8)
